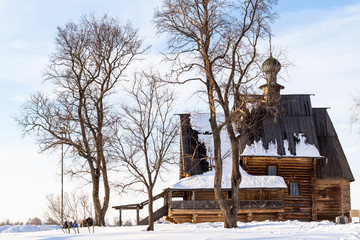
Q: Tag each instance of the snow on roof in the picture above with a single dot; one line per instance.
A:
(303, 149)
(206, 181)
(201, 123)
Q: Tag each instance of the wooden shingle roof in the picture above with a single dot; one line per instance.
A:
(298, 117)
(336, 166)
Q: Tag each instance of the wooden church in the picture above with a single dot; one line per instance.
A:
(293, 167)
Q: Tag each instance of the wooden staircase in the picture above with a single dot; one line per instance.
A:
(163, 211)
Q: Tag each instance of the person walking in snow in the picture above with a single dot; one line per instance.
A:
(74, 225)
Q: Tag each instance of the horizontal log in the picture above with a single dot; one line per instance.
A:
(244, 217)
(240, 218)
(215, 212)
(248, 204)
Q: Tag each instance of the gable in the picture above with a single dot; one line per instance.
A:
(336, 165)
(298, 118)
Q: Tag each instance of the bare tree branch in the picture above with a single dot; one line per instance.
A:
(219, 38)
(145, 144)
(90, 60)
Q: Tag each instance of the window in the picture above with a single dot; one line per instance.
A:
(294, 189)
(272, 170)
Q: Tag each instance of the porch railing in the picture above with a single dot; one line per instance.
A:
(246, 204)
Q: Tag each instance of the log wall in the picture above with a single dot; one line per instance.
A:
(333, 199)
(215, 215)
(300, 170)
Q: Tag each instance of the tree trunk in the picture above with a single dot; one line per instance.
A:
(223, 204)
(99, 214)
(107, 195)
(235, 177)
(150, 210)
(228, 208)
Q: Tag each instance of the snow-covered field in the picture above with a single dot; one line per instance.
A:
(253, 230)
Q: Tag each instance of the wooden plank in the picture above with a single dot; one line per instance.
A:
(218, 211)
(137, 216)
(215, 217)
(314, 192)
(120, 218)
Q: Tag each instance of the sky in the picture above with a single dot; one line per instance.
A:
(320, 39)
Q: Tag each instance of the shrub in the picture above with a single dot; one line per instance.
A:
(34, 221)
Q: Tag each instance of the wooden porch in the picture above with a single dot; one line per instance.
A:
(252, 206)
(199, 205)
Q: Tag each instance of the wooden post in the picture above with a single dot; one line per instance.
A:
(342, 196)
(137, 215)
(239, 204)
(62, 185)
(249, 217)
(166, 199)
(120, 220)
(169, 199)
(314, 191)
(193, 199)
(194, 217)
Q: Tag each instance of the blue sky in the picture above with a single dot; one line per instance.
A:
(321, 39)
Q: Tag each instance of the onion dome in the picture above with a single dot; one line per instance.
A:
(271, 90)
(271, 66)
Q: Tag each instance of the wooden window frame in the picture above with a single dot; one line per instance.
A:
(276, 169)
(298, 189)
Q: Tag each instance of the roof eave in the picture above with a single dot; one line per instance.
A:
(282, 156)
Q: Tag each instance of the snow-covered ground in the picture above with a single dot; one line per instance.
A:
(254, 230)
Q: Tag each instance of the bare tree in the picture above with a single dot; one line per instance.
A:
(219, 39)
(77, 206)
(148, 130)
(6, 221)
(90, 59)
(34, 221)
(355, 115)
(53, 214)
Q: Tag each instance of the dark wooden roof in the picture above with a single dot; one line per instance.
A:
(296, 116)
(336, 164)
